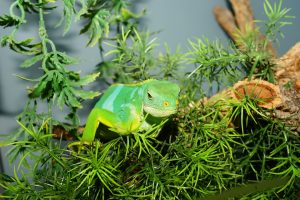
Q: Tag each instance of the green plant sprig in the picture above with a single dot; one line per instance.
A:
(213, 62)
(277, 19)
(134, 58)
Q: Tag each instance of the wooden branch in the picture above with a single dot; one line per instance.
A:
(285, 102)
(243, 15)
(281, 103)
(226, 20)
(239, 23)
(288, 66)
(297, 85)
(287, 70)
(267, 94)
(59, 132)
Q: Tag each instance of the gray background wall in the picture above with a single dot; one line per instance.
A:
(177, 20)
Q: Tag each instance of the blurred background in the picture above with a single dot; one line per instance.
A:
(176, 21)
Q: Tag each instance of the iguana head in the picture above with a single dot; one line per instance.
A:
(160, 98)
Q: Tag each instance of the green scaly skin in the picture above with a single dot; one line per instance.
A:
(123, 107)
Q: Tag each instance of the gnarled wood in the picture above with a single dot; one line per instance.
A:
(240, 22)
(266, 94)
(226, 20)
(288, 66)
(243, 15)
(284, 97)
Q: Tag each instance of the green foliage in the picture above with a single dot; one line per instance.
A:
(97, 26)
(25, 47)
(277, 19)
(7, 21)
(204, 150)
(69, 11)
(95, 165)
(134, 59)
(59, 83)
(213, 62)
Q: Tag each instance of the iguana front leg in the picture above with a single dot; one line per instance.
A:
(122, 122)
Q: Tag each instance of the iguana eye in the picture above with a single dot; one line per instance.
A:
(149, 95)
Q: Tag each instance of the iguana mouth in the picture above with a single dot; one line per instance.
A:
(159, 112)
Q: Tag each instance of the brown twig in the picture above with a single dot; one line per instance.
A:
(59, 132)
(226, 20)
(240, 22)
(288, 66)
(243, 15)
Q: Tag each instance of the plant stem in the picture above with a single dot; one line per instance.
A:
(42, 29)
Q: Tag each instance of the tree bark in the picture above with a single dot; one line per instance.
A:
(286, 101)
